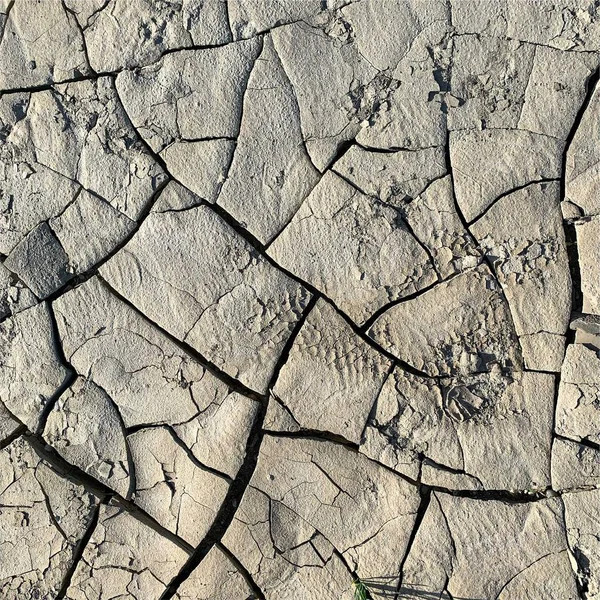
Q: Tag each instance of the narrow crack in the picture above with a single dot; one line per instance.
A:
(512, 191)
(232, 383)
(78, 553)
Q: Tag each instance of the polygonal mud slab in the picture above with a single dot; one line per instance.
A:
(299, 299)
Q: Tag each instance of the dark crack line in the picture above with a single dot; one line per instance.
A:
(93, 271)
(242, 571)
(260, 248)
(182, 445)
(512, 191)
(425, 493)
(476, 243)
(583, 442)
(76, 475)
(17, 433)
(130, 463)
(78, 553)
(72, 16)
(69, 379)
(239, 485)
(228, 508)
(315, 435)
(232, 384)
(570, 232)
(240, 120)
(381, 311)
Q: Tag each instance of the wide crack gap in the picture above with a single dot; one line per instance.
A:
(239, 485)
(569, 227)
(106, 494)
(576, 290)
(69, 379)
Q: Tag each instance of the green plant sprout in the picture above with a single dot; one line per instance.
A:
(361, 592)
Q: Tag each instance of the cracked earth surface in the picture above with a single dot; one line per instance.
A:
(299, 299)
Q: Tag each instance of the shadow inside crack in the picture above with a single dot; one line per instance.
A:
(386, 587)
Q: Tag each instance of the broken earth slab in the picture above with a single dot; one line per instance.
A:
(208, 287)
(435, 222)
(489, 78)
(201, 166)
(583, 161)
(285, 555)
(399, 25)
(42, 521)
(459, 326)
(132, 33)
(215, 578)
(249, 18)
(465, 433)
(565, 25)
(576, 409)
(85, 427)
(31, 372)
(503, 84)
(271, 173)
(356, 250)
(182, 495)
(40, 261)
(403, 106)
(324, 69)
(575, 465)
(487, 164)
(331, 377)
(80, 131)
(346, 88)
(173, 99)
(464, 548)
(363, 509)
(581, 517)
(150, 380)
(76, 141)
(523, 237)
(89, 229)
(393, 177)
(124, 558)
(587, 231)
(40, 44)
(551, 104)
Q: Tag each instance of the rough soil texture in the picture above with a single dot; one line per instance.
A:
(299, 299)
